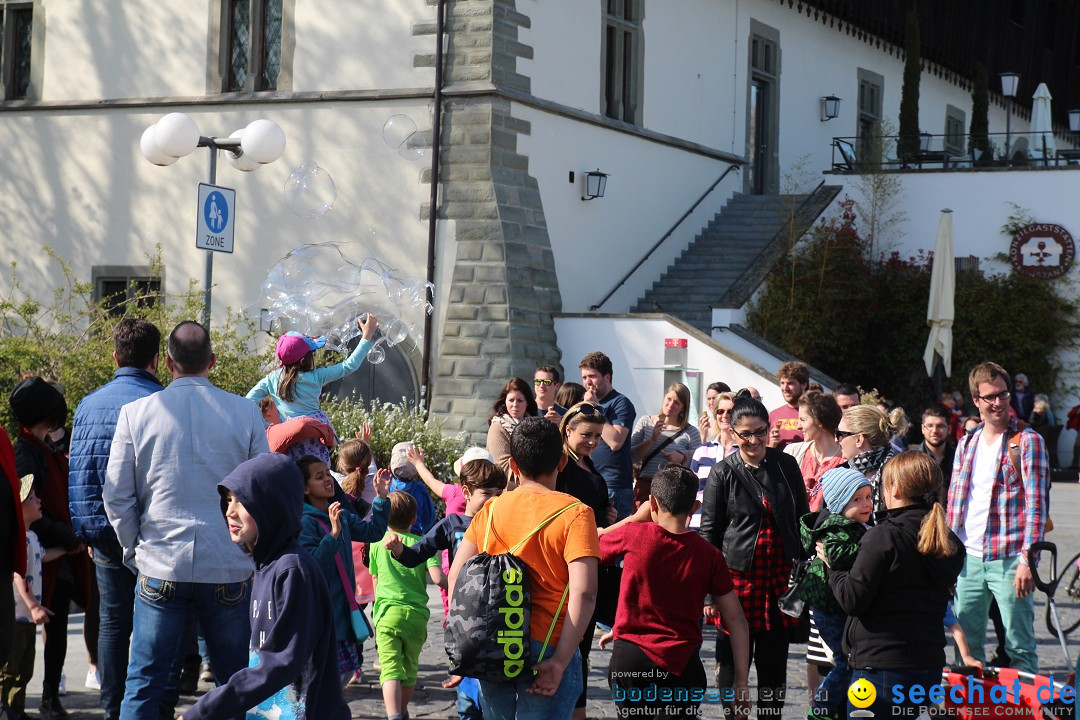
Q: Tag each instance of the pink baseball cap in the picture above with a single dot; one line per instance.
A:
(293, 346)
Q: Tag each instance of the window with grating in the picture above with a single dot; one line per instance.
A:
(121, 286)
(15, 49)
(623, 57)
(252, 43)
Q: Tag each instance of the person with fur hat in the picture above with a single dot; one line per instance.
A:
(40, 408)
(296, 386)
(406, 480)
(838, 527)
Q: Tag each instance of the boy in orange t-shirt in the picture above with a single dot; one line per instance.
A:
(564, 554)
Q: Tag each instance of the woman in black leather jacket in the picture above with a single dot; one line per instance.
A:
(752, 503)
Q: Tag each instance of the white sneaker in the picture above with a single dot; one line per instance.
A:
(63, 684)
(93, 680)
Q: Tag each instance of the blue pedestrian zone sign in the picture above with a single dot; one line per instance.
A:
(215, 222)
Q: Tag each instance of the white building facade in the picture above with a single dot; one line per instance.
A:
(663, 97)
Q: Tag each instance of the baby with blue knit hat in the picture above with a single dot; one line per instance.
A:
(838, 527)
(841, 487)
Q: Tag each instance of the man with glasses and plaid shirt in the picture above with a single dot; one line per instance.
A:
(998, 508)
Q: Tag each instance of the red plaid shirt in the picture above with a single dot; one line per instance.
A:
(1017, 502)
(759, 588)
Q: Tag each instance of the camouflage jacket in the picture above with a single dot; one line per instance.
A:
(841, 539)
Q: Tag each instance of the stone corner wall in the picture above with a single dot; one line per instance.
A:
(504, 289)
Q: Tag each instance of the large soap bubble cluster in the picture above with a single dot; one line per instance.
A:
(400, 133)
(310, 192)
(322, 289)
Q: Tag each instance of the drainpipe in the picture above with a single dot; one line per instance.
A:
(433, 212)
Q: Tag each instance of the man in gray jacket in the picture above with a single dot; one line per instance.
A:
(169, 452)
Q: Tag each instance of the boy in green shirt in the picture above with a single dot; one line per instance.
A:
(400, 612)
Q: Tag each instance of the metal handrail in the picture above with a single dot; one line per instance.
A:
(950, 150)
(665, 236)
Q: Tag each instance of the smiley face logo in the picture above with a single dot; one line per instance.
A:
(862, 694)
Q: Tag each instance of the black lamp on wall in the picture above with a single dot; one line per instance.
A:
(595, 184)
(830, 108)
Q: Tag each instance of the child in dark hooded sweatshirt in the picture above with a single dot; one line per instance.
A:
(292, 669)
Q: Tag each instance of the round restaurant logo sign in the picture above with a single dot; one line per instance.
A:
(1042, 250)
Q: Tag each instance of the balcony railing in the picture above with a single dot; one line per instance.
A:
(948, 152)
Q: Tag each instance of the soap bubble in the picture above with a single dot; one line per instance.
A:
(323, 289)
(310, 191)
(400, 133)
(397, 130)
(376, 354)
(414, 147)
(395, 331)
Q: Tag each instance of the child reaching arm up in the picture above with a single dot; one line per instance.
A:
(450, 493)
(296, 386)
(327, 532)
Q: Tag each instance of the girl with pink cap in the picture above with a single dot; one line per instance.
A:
(296, 386)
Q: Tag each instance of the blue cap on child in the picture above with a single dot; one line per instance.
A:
(838, 485)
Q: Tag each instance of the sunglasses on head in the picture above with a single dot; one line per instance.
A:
(586, 409)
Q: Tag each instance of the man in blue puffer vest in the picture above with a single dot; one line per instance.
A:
(136, 344)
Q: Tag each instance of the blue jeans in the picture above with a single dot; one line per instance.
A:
(831, 696)
(162, 609)
(116, 611)
(623, 500)
(883, 682)
(116, 589)
(468, 699)
(510, 701)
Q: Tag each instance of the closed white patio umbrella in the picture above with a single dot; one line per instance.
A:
(1042, 131)
(940, 310)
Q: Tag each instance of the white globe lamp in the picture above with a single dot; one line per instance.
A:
(263, 141)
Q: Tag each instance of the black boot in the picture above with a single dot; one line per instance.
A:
(50, 708)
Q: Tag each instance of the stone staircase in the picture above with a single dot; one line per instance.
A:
(727, 261)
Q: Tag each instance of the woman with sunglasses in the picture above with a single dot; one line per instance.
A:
(864, 433)
(752, 504)
(708, 427)
(580, 428)
(515, 402)
(667, 437)
(713, 452)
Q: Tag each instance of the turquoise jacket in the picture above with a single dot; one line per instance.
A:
(309, 384)
(324, 547)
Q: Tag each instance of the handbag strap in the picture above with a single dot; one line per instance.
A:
(660, 448)
(349, 592)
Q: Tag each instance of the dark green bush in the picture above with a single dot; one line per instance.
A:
(864, 321)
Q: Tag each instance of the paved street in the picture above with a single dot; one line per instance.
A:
(431, 701)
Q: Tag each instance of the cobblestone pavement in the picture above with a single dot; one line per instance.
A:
(432, 701)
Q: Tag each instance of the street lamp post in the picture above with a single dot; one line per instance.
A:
(176, 135)
(1009, 81)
